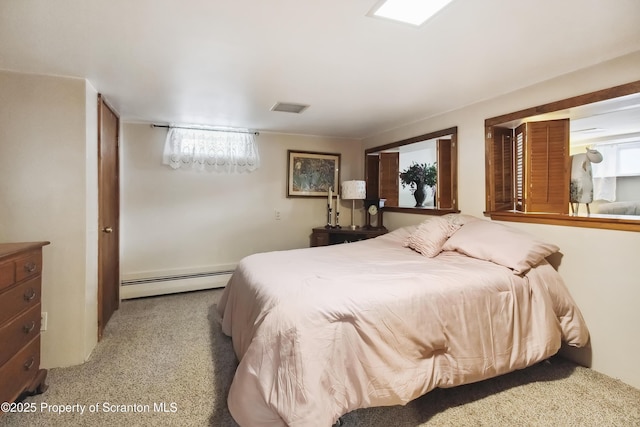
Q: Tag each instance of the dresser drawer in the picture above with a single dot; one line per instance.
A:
(7, 274)
(18, 332)
(20, 371)
(19, 298)
(29, 265)
(20, 267)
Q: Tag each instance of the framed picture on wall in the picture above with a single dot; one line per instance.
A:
(310, 174)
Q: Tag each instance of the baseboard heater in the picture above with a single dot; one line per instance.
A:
(176, 277)
(152, 286)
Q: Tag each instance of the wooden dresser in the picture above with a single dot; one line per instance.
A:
(20, 285)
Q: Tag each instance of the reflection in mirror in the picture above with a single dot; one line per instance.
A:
(605, 138)
(577, 157)
(417, 174)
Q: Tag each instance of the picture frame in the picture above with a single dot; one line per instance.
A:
(311, 173)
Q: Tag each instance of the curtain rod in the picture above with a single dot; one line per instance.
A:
(153, 125)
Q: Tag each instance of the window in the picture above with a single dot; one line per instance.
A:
(528, 162)
(410, 12)
(210, 149)
(628, 159)
(619, 160)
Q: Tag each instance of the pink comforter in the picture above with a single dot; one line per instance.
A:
(323, 331)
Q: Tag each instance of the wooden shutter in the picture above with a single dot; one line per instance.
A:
(518, 168)
(389, 178)
(547, 166)
(502, 159)
(371, 176)
(444, 192)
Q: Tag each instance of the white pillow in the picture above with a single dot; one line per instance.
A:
(400, 235)
(507, 246)
(431, 235)
(434, 233)
(458, 220)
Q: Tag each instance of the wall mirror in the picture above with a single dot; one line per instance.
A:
(437, 151)
(572, 162)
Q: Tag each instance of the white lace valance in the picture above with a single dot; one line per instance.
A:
(204, 149)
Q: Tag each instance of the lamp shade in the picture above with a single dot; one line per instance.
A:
(354, 190)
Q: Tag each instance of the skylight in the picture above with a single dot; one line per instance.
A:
(414, 12)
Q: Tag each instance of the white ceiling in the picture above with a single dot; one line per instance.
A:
(227, 62)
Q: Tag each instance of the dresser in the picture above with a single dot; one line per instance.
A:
(20, 286)
(322, 236)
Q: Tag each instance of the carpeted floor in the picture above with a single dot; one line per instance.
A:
(167, 359)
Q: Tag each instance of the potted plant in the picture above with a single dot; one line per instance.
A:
(418, 177)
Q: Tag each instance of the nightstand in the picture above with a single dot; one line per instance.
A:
(323, 236)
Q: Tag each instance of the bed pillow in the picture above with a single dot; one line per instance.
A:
(431, 235)
(458, 220)
(400, 235)
(507, 246)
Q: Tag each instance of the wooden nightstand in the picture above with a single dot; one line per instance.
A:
(331, 236)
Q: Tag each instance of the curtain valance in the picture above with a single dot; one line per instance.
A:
(212, 150)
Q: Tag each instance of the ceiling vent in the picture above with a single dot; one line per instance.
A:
(288, 107)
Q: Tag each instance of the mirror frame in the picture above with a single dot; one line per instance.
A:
(612, 222)
(453, 131)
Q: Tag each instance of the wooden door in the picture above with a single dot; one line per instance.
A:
(109, 214)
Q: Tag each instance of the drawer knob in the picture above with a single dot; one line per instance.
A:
(30, 267)
(29, 363)
(28, 328)
(30, 294)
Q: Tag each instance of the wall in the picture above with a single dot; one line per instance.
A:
(628, 188)
(90, 323)
(185, 221)
(598, 266)
(44, 195)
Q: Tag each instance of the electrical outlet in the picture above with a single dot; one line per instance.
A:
(43, 321)
(278, 215)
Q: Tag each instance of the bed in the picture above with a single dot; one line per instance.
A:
(319, 332)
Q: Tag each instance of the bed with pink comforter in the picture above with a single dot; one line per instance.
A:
(319, 332)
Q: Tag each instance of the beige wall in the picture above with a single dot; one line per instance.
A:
(44, 195)
(188, 221)
(599, 266)
(90, 323)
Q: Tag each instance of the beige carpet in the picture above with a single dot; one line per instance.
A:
(170, 351)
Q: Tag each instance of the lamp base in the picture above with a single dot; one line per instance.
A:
(353, 208)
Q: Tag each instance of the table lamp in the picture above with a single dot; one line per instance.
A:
(354, 190)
